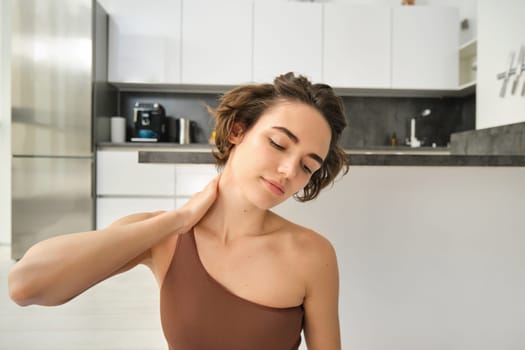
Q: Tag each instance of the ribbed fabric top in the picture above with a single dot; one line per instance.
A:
(198, 313)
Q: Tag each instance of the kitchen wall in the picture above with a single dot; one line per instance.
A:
(5, 124)
(501, 30)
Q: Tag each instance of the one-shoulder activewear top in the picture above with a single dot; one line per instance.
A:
(198, 313)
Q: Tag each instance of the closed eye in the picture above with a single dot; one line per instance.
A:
(307, 169)
(276, 145)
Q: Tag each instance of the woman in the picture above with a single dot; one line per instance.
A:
(232, 274)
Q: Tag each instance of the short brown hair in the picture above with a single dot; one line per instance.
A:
(245, 104)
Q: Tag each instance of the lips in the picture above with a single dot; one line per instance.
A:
(274, 186)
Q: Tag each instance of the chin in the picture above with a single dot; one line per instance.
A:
(266, 203)
(259, 200)
(260, 197)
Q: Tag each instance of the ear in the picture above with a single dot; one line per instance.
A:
(236, 133)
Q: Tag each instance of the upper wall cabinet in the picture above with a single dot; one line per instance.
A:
(216, 42)
(425, 47)
(144, 42)
(356, 45)
(205, 42)
(287, 37)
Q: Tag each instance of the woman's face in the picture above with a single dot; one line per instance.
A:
(277, 156)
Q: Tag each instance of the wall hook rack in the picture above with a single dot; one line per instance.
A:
(511, 70)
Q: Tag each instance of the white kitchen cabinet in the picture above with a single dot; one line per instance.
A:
(345, 45)
(190, 179)
(357, 45)
(425, 41)
(217, 42)
(125, 186)
(110, 209)
(144, 42)
(120, 173)
(287, 37)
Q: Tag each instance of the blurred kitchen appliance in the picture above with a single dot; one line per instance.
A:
(184, 131)
(59, 84)
(172, 129)
(149, 122)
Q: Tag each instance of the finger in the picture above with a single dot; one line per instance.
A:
(213, 185)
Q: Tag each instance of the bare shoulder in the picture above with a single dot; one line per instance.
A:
(312, 253)
(306, 240)
(318, 244)
(317, 252)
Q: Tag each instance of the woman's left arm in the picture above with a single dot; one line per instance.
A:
(321, 303)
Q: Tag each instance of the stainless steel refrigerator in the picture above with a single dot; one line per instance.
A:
(59, 87)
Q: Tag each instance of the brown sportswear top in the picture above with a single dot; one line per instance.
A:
(198, 313)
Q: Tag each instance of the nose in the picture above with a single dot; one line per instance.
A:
(288, 168)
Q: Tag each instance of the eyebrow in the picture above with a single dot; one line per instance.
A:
(295, 139)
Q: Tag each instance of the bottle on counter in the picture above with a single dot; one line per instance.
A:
(211, 140)
(393, 140)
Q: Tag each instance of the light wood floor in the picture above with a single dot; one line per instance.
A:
(120, 313)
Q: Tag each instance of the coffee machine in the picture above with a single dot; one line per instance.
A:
(149, 122)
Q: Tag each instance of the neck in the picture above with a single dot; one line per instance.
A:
(232, 216)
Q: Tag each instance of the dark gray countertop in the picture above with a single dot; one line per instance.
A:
(500, 140)
(354, 159)
(169, 153)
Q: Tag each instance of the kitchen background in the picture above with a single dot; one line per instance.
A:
(374, 109)
(374, 116)
(375, 112)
